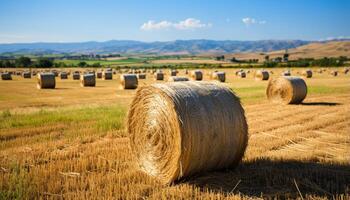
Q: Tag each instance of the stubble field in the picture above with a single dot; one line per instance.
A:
(71, 143)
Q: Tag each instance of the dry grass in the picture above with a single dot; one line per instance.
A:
(64, 144)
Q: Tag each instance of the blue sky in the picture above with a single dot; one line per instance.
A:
(164, 20)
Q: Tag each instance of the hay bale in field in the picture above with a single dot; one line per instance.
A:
(64, 75)
(262, 75)
(242, 74)
(107, 75)
(159, 76)
(128, 81)
(46, 80)
(220, 76)
(178, 129)
(173, 72)
(141, 76)
(286, 73)
(99, 75)
(26, 75)
(177, 78)
(34, 73)
(186, 71)
(6, 76)
(197, 75)
(88, 80)
(346, 70)
(287, 90)
(307, 73)
(55, 73)
(76, 75)
(334, 73)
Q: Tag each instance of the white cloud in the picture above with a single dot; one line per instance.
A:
(335, 38)
(249, 21)
(187, 24)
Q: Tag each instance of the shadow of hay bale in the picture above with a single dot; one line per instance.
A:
(269, 179)
(320, 104)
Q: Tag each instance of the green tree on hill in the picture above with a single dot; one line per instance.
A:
(23, 62)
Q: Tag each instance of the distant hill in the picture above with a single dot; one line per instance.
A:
(311, 50)
(137, 47)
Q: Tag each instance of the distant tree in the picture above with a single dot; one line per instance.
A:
(23, 62)
(267, 58)
(96, 65)
(8, 64)
(285, 57)
(82, 64)
(44, 63)
(278, 59)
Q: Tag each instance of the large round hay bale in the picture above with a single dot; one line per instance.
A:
(307, 73)
(107, 75)
(177, 78)
(159, 76)
(88, 80)
(6, 76)
(141, 76)
(197, 75)
(220, 76)
(262, 75)
(128, 81)
(76, 75)
(64, 75)
(178, 129)
(334, 73)
(46, 80)
(99, 75)
(287, 90)
(242, 74)
(27, 75)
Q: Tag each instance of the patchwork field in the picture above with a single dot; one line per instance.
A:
(71, 143)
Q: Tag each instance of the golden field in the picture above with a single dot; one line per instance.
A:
(71, 143)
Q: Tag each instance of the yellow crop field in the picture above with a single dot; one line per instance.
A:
(71, 143)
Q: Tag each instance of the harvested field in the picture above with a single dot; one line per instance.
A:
(71, 142)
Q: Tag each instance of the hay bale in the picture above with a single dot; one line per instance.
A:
(334, 73)
(107, 75)
(196, 75)
(307, 73)
(64, 75)
(177, 78)
(178, 129)
(6, 76)
(76, 75)
(141, 76)
(88, 80)
(186, 71)
(286, 73)
(242, 74)
(262, 75)
(159, 76)
(128, 81)
(173, 72)
(46, 80)
(287, 90)
(27, 75)
(99, 75)
(220, 76)
(346, 70)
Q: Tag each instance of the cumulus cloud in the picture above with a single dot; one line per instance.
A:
(187, 24)
(249, 21)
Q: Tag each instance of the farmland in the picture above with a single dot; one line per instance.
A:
(71, 142)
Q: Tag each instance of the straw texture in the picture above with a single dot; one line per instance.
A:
(287, 90)
(46, 81)
(262, 75)
(128, 81)
(220, 76)
(179, 129)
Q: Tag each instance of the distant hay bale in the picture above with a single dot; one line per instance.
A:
(27, 75)
(76, 75)
(177, 78)
(34, 73)
(6, 76)
(88, 80)
(159, 76)
(334, 73)
(220, 76)
(141, 76)
(55, 73)
(99, 75)
(178, 129)
(107, 75)
(346, 70)
(128, 81)
(46, 80)
(287, 90)
(238, 71)
(197, 75)
(286, 73)
(242, 74)
(64, 75)
(307, 73)
(186, 71)
(262, 75)
(173, 72)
